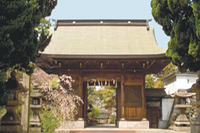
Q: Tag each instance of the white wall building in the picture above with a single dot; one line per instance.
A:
(177, 80)
(172, 82)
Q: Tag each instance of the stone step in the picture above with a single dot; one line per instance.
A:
(117, 130)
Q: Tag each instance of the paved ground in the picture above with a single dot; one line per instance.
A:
(117, 130)
(111, 128)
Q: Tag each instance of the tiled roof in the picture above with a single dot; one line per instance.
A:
(155, 92)
(114, 38)
(178, 72)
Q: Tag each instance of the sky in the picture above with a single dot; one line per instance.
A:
(109, 9)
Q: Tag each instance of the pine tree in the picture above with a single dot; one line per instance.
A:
(180, 20)
(19, 43)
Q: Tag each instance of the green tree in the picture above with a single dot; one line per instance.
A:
(92, 98)
(108, 95)
(165, 71)
(149, 81)
(18, 37)
(158, 83)
(43, 30)
(94, 114)
(19, 30)
(180, 20)
(4, 94)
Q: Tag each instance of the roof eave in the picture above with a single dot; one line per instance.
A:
(107, 56)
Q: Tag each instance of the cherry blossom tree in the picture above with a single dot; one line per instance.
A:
(61, 100)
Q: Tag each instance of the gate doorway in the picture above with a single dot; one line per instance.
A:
(153, 116)
(101, 104)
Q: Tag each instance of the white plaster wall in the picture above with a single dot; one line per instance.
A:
(170, 86)
(166, 108)
(180, 81)
(185, 81)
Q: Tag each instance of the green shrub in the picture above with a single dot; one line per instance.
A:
(2, 111)
(113, 117)
(48, 122)
(94, 113)
(54, 82)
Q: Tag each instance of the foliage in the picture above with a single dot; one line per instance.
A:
(44, 26)
(91, 91)
(19, 41)
(112, 118)
(108, 95)
(165, 71)
(105, 92)
(63, 99)
(19, 108)
(4, 94)
(105, 95)
(43, 31)
(41, 78)
(149, 81)
(181, 21)
(54, 82)
(110, 102)
(18, 37)
(2, 111)
(93, 103)
(94, 113)
(158, 83)
(49, 122)
(19, 111)
(93, 99)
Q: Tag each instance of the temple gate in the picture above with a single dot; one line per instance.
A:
(107, 50)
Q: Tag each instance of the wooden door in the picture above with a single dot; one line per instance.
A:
(153, 116)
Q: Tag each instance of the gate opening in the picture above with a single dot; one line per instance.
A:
(102, 105)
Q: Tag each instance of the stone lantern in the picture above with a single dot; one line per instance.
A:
(195, 127)
(35, 105)
(11, 123)
(182, 123)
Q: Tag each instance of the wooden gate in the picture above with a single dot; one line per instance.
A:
(153, 116)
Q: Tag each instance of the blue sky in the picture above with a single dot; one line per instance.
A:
(109, 9)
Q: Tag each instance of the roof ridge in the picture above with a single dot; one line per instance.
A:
(103, 22)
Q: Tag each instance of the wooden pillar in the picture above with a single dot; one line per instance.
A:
(80, 114)
(85, 102)
(118, 102)
(122, 97)
(143, 95)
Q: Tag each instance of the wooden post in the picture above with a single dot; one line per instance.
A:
(122, 97)
(80, 114)
(143, 95)
(85, 101)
